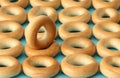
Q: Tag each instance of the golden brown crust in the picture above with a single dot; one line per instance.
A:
(33, 28)
(73, 3)
(86, 46)
(108, 66)
(52, 50)
(14, 46)
(102, 4)
(106, 29)
(71, 66)
(49, 3)
(21, 3)
(51, 67)
(98, 14)
(104, 44)
(13, 13)
(74, 14)
(42, 11)
(66, 28)
(13, 67)
(16, 30)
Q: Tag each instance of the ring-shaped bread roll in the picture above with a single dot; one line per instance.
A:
(42, 11)
(110, 66)
(33, 28)
(105, 14)
(79, 66)
(9, 66)
(76, 3)
(74, 14)
(49, 3)
(13, 13)
(21, 3)
(50, 67)
(74, 29)
(105, 4)
(52, 50)
(108, 47)
(10, 46)
(11, 29)
(75, 45)
(106, 29)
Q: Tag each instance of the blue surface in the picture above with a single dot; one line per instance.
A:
(60, 56)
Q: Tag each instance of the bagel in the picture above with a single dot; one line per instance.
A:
(42, 11)
(105, 14)
(13, 13)
(11, 29)
(9, 66)
(74, 29)
(79, 66)
(21, 3)
(108, 47)
(106, 29)
(49, 3)
(74, 14)
(33, 28)
(31, 69)
(10, 46)
(80, 45)
(76, 3)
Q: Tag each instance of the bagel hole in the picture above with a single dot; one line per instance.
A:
(40, 66)
(79, 47)
(13, 0)
(115, 65)
(10, 13)
(105, 16)
(41, 31)
(43, 14)
(77, 0)
(108, 30)
(113, 48)
(74, 31)
(5, 47)
(77, 64)
(47, 0)
(73, 15)
(6, 31)
(1, 65)
(106, 0)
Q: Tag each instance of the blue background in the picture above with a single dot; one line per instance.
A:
(59, 56)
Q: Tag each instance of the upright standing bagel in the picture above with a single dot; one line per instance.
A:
(105, 14)
(10, 46)
(105, 4)
(106, 29)
(13, 13)
(49, 3)
(108, 47)
(33, 28)
(50, 69)
(110, 66)
(74, 14)
(75, 45)
(76, 3)
(79, 66)
(11, 29)
(21, 3)
(42, 11)
(11, 66)
(74, 29)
